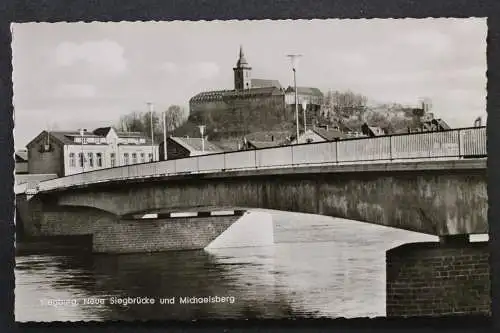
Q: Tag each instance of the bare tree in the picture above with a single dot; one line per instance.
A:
(337, 105)
(174, 117)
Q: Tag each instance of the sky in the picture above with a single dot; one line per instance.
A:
(85, 75)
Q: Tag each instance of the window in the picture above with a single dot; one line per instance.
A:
(72, 162)
(112, 157)
(134, 158)
(99, 160)
(142, 140)
(142, 158)
(84, 140)
(125, 159)
(150, 157)
(80, 159)
(91, 159)
(78, 140)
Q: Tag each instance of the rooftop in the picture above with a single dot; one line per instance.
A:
(196, 145)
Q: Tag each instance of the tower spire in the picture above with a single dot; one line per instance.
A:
(242, 73)
(241, 59)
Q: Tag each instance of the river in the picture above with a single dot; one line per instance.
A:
(317, 267)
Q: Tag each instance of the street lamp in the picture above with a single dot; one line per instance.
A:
(152, 134)
(294, 58)
(304, 107)
(164, 136)
(202, 131)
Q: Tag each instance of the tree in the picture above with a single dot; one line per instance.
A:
(141, 122)
(338, 105)
(174, 117)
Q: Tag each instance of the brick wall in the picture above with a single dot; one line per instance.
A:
(432, 279)
(152, 235)
(74, 221)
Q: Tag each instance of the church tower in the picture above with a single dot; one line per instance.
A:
(242, 73)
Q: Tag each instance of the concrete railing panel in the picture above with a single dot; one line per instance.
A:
(315, 154)
(186, 164)
(211, 162)
(274, 157)
(240, 160)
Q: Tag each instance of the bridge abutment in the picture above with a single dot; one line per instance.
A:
(438, 278)
(156, 235)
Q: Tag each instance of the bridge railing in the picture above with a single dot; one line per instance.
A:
(457, 143)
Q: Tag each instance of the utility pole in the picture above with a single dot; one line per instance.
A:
(164, 136)
(150, 105)
(294, 58)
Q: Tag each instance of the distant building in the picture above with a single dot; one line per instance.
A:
(267, 139)
(372, 131)
(251, 94)
(318, 134)
(21, 157)
(181, 147)
(70, 152)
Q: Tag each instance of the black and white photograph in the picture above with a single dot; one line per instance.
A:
(253, 169)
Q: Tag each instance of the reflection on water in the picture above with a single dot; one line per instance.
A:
(318, 267)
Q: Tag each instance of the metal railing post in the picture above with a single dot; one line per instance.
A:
(390, 148)
(255, 157)
(337, 151)
(459, 145)
(291, 151)
(224, 158)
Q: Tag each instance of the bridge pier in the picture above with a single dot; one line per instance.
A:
(161, 234)
(438, 278)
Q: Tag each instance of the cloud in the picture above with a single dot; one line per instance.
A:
(105, 55)
(169, 67)
(203, 70)
(69, 90)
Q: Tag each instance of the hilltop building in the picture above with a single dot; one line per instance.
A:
(69, 152)
(253, 100)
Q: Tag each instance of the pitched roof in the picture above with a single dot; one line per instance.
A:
(269, 136)
(21, 155)
(263, 83)
(220, 95)
(306, 91)
(264, 144)
(102, 131)
(329, 134)
(442, 123)
(195, 144)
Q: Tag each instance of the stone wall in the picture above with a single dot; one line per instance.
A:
(433, 279)
(153, 235)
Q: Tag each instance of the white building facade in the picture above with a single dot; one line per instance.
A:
(68, 153)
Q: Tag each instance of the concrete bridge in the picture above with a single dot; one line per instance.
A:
(433, 183)
(427, 182)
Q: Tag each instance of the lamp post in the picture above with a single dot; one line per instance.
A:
(82, 132)
(294, 58)
(164, 136)
(304, 108)
(150, 105)
(202, 132)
